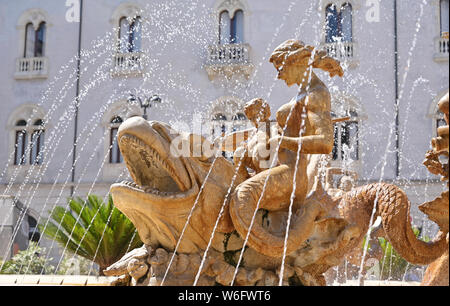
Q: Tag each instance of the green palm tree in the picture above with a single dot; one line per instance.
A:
(92, 229)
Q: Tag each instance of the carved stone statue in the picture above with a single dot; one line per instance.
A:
(437, 210)
(177, 198)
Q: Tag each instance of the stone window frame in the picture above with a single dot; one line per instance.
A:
(30, 113)
(356, 5)
(232, 108)
(124, 110)
(131, 24)
(128, 63)
(345, 103)
(113, 144)
(340, 22)
(323, 4)
(129, 10)
(232, 6)
(35, 17)
(228, 106)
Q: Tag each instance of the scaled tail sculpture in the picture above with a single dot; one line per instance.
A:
(179, 192)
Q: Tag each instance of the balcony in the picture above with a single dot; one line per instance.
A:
(345, 52)
(229, 60)
(128, 63)
(441, 48)
(31, 68)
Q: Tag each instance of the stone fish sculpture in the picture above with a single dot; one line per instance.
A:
(323, 230)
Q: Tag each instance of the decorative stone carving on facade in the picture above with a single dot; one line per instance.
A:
(33, 16)
(231, 6)
(356, 4)
(128, 10)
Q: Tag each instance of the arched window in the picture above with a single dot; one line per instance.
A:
(237, 28)
(239, 122)
(29, 41)
(222, 125)
(219, 125)
(346, 22)
(231, 29)
(34, 40)
(444, 17)
(37, 142)
(20, 143)
(29, 138)
(130, 34)
(115, 157)
(346, 138)
(332, 23)
(338, 24)
(224, 28)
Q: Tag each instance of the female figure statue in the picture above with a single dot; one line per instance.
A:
(307, 126)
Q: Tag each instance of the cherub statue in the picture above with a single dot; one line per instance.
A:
(251, 147)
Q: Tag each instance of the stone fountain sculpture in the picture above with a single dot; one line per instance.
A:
(183, 200)
(437, 210)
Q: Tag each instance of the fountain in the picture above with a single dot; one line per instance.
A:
(253, 207)
(179, 198)
(437, 210)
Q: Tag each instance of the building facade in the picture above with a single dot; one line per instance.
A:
(204, 59)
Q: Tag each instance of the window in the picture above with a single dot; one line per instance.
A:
(20, 143)
(115, 157)
(34, 40)
(231, 29)
(338, 23)
(25, 135)
(130, 34)
(239, 122)
(444, 17)
(222, 125)
(346, 22)
(440, 121)
(346, 142)
(219, 125)
(37, 142)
